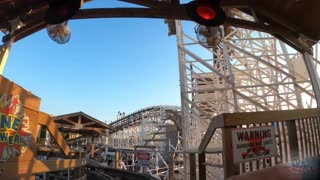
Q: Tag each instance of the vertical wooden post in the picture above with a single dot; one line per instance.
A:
(37, 135)
(79, 119)
(117, 164)
(202, 168)
(171, 166)
(193, 168)
(92, 147)
(133, 161)
(230, 168)
(293, 140)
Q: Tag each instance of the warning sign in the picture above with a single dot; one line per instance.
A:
(143, 159)
(253, 143)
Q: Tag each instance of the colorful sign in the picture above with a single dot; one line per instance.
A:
(143, 159)
(14, 125)
(253, 143)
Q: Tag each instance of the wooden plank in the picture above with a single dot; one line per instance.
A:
(250, 166)
(275, 131)
(299, 133)
(79, 119)
(233, 119)
(27, 104)
(202, 168)
(269, 161)
(258, 164)
(317, 134)
(312, 133)
(117, 159)
(65, 126)
(69, 121)
(280, 141)
(215, 122)
(264, 159)
(230, 169)
(171, 164)
(45, 119)
(304, 139)
(305, 124)
(213, 165)
(48, 149)
(313, 73)
(301, 139)
(293, 140)
(318, 127)
(56, 165)
(193, 168)
(285, 158)
(29, 100)
(83, 115)
(24, 168)
(88, 123)
(309, 136)
(73, 139)
(243, 167)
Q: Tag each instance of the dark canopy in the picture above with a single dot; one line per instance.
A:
(286, 19)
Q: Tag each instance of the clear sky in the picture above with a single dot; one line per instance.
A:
(109, 65)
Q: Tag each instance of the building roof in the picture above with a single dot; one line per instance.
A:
(81, 123)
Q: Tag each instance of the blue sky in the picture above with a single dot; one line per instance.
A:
(109, 65)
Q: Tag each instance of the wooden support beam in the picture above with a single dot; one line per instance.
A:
(202, 168)
(30, 29)
(117, 158)
(88, 123)
(73, 139)
(171, 165)
(230, 169)
(92, 150)
(69, 121)
(26, 168)
(216, 122)
(64, 126)
(79, 119)
(234, 119)
(193, 168)
(293, 140)
(45, 119)
(314, 76)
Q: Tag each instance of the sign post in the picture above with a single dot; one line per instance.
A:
(253, 143)
(143, 159)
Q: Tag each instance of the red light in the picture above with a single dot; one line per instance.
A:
(206, 12)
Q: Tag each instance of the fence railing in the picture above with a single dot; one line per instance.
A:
(297, 134)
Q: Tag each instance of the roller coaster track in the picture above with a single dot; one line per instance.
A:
(135, 117)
